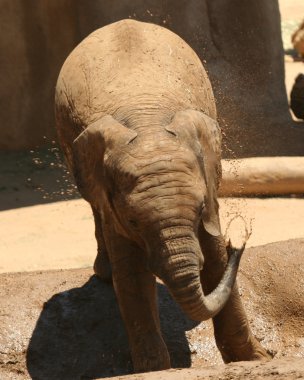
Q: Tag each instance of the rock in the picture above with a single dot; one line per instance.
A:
(262, 175)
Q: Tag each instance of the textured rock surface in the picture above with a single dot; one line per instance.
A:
(239, 43)
(262, 175)
(35, 38)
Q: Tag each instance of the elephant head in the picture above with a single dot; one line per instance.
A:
(159, 187)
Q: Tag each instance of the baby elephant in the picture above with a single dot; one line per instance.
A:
(136, 119)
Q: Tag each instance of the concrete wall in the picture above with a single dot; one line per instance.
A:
(239, 42)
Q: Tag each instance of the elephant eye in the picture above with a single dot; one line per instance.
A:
(201, 209)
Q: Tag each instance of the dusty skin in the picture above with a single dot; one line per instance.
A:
(136, 119)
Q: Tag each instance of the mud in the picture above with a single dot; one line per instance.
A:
(288, 369)
(66, 324)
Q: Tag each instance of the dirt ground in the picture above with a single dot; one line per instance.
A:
(58, 322)
(65, 321)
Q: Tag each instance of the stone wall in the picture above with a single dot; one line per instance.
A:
(35, 38)
(239, 42)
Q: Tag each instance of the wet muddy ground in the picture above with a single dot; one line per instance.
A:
(66, 324)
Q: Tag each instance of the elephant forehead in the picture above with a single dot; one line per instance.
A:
(169, 167)
(157, 200)
(169, 184)
(153, 157)
(137, 170)
(170, 176)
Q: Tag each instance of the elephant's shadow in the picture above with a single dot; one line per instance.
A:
(80, 335)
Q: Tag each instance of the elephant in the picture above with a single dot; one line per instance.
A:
(136, 119)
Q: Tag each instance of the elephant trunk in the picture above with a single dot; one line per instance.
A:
(179, 268)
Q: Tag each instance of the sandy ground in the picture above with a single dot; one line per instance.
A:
(60, 235)
(291, 9)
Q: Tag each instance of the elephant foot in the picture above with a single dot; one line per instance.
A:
(249, 351)
(151, 355)
(102, 268)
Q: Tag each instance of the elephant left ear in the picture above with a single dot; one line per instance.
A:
(203, 134)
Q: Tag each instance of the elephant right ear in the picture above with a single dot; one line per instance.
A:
(203, 135)
(90, 150)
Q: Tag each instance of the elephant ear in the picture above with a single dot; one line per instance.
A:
(204, 136)
(90, 150)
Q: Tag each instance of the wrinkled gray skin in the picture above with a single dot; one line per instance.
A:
(136, 119)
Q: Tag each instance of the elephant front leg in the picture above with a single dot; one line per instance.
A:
(233, 336)
(102, 267)
(135, 288)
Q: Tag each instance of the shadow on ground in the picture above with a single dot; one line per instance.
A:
(79, 335)
(34, 177)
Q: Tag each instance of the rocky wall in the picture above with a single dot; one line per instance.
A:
(239, 42)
